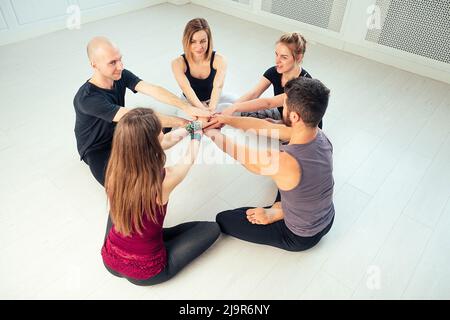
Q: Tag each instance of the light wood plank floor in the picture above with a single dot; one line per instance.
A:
(391, 136)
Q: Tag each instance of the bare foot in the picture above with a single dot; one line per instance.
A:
(257, 216)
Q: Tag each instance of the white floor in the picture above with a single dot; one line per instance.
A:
(391, 136)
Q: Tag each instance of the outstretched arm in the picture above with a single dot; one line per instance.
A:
(173, 137)
(164, 96)
(171, 121)
(262, 127)
(120, 113)
(280, 166)
(175, 174)
(256, 104)
(257, 91)
(219, 79)
(178, 69)
(166, 121)
(264, 162)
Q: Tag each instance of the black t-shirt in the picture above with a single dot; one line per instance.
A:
(275, 78)
(95, 108)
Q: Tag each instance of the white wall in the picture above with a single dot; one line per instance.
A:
(24, 19)
(351, 37)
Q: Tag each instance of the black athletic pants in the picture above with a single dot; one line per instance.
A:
(97, 160)
(183, 243)
(235, 223)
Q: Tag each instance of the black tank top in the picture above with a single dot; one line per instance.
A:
(201, 87)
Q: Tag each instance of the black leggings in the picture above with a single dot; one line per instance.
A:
(235, 223)
(97, 161)
(183, 243)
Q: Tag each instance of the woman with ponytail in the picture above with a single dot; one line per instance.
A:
(289, 52)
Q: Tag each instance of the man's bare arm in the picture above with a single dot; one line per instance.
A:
(164, 96)
(262, 127)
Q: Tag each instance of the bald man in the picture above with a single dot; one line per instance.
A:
(100, 104)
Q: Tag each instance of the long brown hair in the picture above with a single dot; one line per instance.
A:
(133, 179)
(192, 27)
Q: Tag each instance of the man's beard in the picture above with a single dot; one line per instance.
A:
(287, 121)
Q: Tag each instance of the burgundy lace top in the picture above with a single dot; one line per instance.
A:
(137, 256)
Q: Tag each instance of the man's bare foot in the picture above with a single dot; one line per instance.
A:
(257, 216)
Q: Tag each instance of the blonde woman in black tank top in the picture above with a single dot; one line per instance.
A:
(289, 52)
(200, 71)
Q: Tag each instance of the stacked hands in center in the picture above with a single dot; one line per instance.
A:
(209, 125)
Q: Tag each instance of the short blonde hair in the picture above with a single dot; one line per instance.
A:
(192, 27)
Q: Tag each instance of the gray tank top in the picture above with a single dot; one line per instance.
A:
(308, 208)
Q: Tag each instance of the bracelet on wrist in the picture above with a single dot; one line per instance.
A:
(196, 136)
(193, 126)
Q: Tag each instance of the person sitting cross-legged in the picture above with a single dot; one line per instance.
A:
(137, 246)
(303, 171)
(100, 103)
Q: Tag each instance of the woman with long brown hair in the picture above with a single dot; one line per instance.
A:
(200, 71)
(136, 245)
